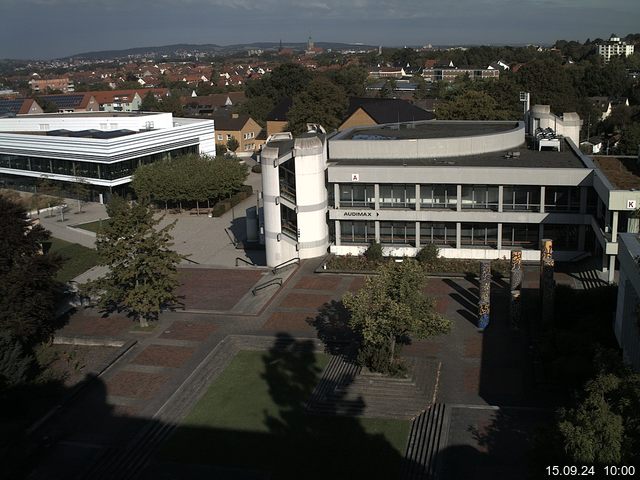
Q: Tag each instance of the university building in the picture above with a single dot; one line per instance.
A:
(476, 189)
(104, 149)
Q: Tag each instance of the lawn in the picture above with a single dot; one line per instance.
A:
(92, 226)
(77, 259)
(253, 417)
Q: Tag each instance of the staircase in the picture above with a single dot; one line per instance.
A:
(427, 438)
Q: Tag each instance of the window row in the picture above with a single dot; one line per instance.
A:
(74, 168)
(484, 235)
(443, 196)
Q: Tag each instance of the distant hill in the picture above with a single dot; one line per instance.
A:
(208, 48)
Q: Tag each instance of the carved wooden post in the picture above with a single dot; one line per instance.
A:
(516, 286)
(484, 303)
(547, 283)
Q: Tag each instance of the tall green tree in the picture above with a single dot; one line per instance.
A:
(27, 277)
(321, 102)
(233, 144)
(143, 273)
(472, 105)
(391, 306)
(149, 103)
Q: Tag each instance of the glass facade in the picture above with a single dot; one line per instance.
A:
(97, 170)
(289, 222)
(521, 235)
(483, 197)
(565, 237)
(439, 196)
(479, 235)
(521, 198)
(357, 195)
(398, 233)
(562, 199)
(398, 195)
(443, 234)
(287, 175)
(357, 232)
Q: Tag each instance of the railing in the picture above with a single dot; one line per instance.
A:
(240, 259)
(231, 237)
(189, 260)
(273, 281)
(286, 264)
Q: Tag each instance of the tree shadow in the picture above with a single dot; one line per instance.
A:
(332, 327)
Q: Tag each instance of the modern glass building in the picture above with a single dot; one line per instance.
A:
(103, 149)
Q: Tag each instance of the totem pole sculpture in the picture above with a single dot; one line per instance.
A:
(547, 283)
(484, 303)
(515, 308)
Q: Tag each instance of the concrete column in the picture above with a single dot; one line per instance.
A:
(612, 268)
(458, 234)
(336, 195)
(378, 231)
(542, 193)
(614, 227)
(599, 205)
(499, 246)
(540, 232)
(459, 198)
(338, 233)
(500, 198)
(376, 195)
(418, 243)
(417, 200)
(583, 199)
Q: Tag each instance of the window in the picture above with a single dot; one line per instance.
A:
(398, 233)
(438, 233)
(438, 196)
(521, 198)
(357, 232)
(289, 222)
(229, 137)
(562, 199)
(220, 136)
(398, 196)
(565, 237)
(480, 197)
(357, 195)
(479, 235)
(521, 235)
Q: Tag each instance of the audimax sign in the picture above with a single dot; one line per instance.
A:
(360, 214)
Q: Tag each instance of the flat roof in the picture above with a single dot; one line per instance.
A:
(89, 114)
(622, 172)
(527, 159)
(429, 129)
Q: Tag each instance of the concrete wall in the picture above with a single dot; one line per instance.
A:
(627, 327)
(428, 147)
(84, 121)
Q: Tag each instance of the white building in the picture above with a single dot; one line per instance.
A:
(475, 189)
(102, 148)
(614, 48)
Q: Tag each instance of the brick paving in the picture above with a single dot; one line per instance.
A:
(164, 356)
(318, 283)
(304, 300)
(91, 323)
(215, 289)
(135, 384)
(289, 321)
(187, 330)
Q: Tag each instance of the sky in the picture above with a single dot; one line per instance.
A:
(43, 29)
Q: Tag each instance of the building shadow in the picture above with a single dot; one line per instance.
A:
(89, 438)
(254, 251)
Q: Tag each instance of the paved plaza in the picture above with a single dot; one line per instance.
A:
(162, 376)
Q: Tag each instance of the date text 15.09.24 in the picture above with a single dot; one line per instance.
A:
(590, 470)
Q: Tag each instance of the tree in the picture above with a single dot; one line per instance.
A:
(15, 363)
(391, 307)
(471, 105)
(142, 273)
(27, 277)
(388, 88)
(149, 103)
(321, 102)
(352, 79)
(630, 140)
(233, 144)
(172, 104)
(80, 188)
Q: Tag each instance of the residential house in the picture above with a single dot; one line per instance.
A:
(241, 127)
(73, 102)
(19, 106)
(376, 111)
(209, 104)
(43, 85)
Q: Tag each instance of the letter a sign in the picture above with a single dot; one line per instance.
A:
(355, 177)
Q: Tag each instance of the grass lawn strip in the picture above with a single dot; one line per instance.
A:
(253, 416)
(92, 226)
(77, 259)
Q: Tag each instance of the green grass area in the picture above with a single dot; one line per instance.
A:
(92, 226)
(77, 259)
(253, 417)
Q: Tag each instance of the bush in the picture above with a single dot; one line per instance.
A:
(428, 255)
(374, 252)
(376, 358)
(256, 168)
